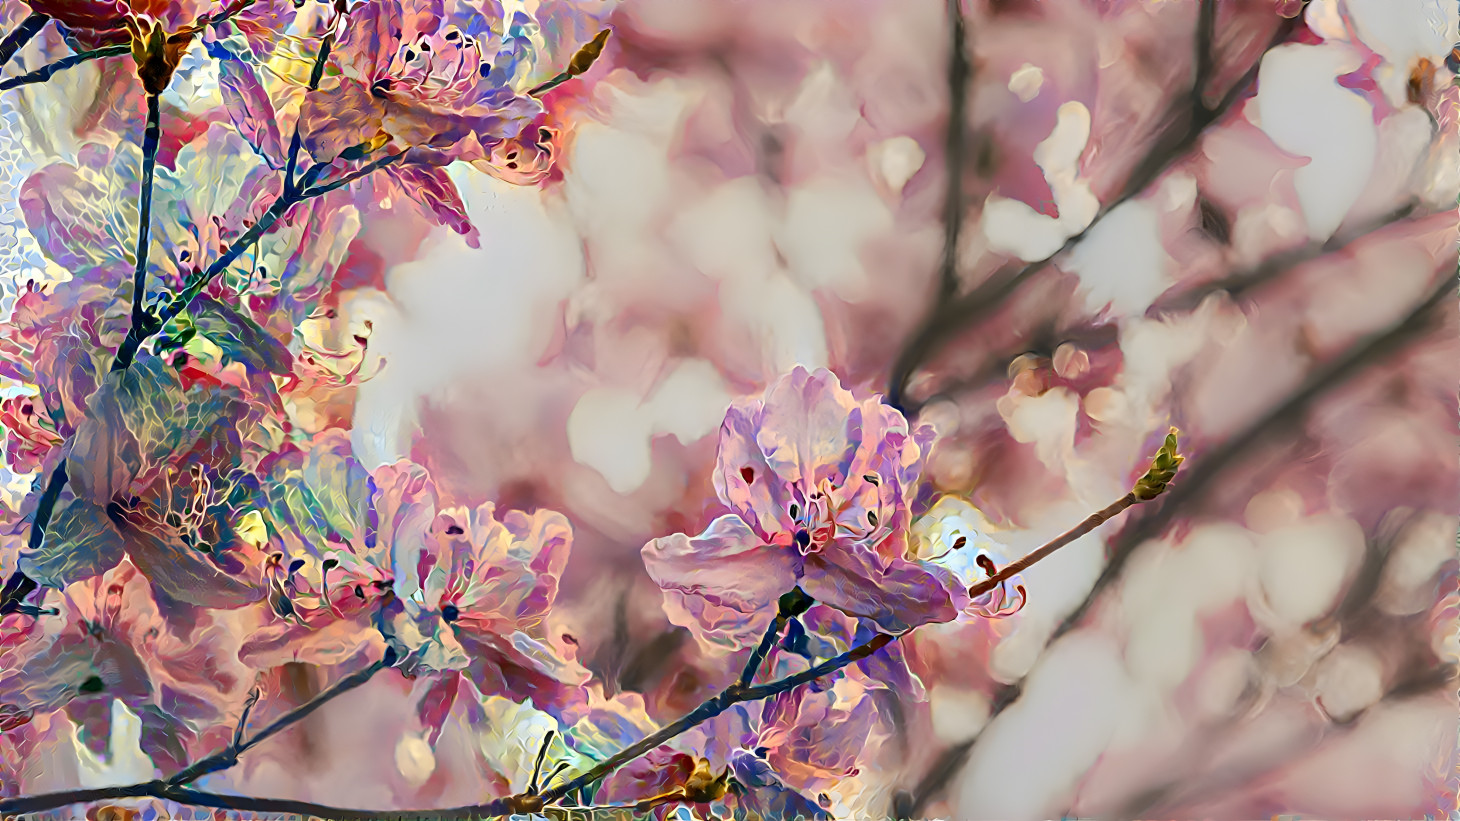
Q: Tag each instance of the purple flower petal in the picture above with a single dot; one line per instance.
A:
(722, 584)
(902, 596)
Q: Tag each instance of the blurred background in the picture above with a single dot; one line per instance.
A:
(1240, 223)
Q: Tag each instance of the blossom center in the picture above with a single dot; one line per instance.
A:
(449, 613)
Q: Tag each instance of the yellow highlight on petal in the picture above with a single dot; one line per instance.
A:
(252, 530)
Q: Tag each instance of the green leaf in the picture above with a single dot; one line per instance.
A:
(240, 338)
(80, 543)
(136, 421)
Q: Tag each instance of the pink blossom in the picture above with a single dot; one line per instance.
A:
(475, 597)
(332, 532)
(416, 80)
(820, 486)
(111, 641)
(815, 736)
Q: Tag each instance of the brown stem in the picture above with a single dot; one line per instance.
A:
(1090, 523)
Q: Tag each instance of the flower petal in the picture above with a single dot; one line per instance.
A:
(434, 697)
(722, 584)
(339, 116)
(805, 430)
(744, 479)
(901, 596)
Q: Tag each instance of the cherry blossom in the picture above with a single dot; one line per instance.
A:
(820, 486)
(414, 79)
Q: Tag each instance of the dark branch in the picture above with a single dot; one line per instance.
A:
(45, 72)
(18, 586)
(315, 75)
(141, 320)
(227, 758)
(950, 317)
(1243, 283)
(1205, 471)
(365, 171)
(1206, 29)
(959, 73)
(22, 34)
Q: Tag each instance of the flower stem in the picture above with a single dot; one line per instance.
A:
(44, 73)
(315, 75)
(1093, 521)
(22, 34)
(141, 320)
(19, 585)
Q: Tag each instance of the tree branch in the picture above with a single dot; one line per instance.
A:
(141, 320)
(1093, 521)
(1364, 353)
(789, 606)
(959, 73)
(44, 73)
(226, 758)
(365, 171)
(315, 75)
(951, 316)
(18, 586)
(1243, 282)
(22, 34)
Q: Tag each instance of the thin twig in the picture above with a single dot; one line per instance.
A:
(1215, 463)
(1242, 283)
(1206, 29)
(364, 171)
(141, 320)
(315, 75)
(22, 34)
(547, 740)
(950, 317)
(18, 586)
(240, 803)
(224, 759)
(758, 655)
(44, 73)
(959, 72)
(1093, 521)
(789, 606)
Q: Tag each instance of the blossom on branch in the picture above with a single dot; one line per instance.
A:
(820, 486)
(475, 595)
(413, 79)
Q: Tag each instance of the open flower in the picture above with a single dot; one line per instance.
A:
(419, 81)
(110, 640)
(475, 597)
(819, 485)
(331, 531)
(816, 736)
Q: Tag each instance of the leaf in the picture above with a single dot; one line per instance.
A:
(432, 190)
(136, 421)
(186, 574)
(324, 498)
(80, 543)
(240, 338)
(248, 104)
